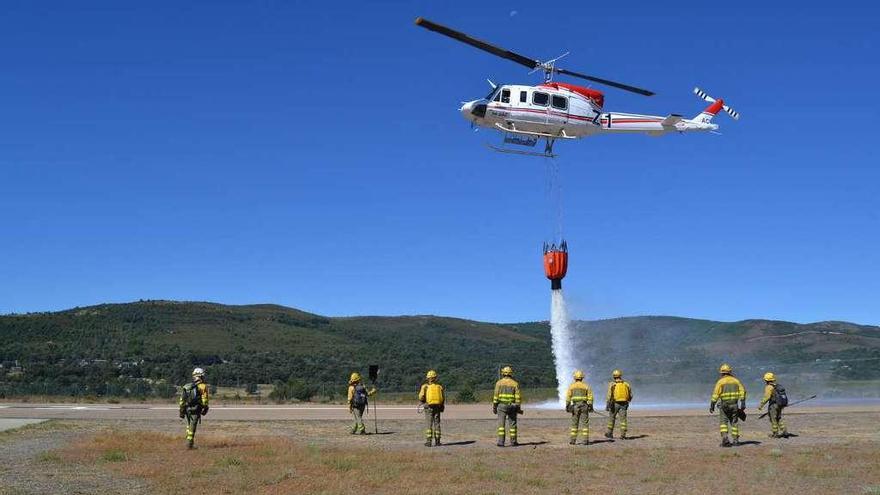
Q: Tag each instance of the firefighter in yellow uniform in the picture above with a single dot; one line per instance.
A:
(193, 404)
(730, 396)
(432, 399)
(617, 403)
(774, 408)
(579, 402)
(358, 402)
(507, 404)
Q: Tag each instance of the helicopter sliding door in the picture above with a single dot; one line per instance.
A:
(559, 109)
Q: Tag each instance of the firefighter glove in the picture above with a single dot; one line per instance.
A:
(589, 407)
(494, 408)
(182, 414)
(608, 406)
(441, 407)
(742, 404)
(712, 408)
(204, 410)
(567, 407)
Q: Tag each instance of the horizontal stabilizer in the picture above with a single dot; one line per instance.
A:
(671, 120)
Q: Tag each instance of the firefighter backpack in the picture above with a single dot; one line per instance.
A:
(779, 396)
(434, 394)
(190, 395)
(360, 396)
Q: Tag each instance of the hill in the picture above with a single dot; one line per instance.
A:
(142, 348)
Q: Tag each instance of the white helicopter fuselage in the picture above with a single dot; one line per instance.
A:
(565, 111)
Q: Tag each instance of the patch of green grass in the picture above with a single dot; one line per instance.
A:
(267, 452)
(384, 473)
(114, 456)
(503, 476)
(872, 490)
(229, 461)
(282, 477)
(49, 457)
(776, 453)
(343, 464)
(536, 482)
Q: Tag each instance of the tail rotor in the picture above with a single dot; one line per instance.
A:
(704, 96)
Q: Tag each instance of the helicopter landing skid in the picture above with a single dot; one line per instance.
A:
(545, 154)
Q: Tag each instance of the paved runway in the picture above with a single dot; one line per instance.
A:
(337, 412)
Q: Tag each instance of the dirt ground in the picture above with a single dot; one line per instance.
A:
(833, 452)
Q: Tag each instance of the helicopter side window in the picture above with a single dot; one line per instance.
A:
(523, 96)
(540, 99)
(560, 102)
(505, 96)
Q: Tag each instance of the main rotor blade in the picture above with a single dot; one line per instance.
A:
(482, 45)
(606, 82)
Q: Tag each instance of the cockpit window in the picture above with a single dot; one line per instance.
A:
(523, 96)
(560, 102)
(505, 96)
(494, 93)
(540, 99)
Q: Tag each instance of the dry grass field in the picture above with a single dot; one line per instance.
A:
(835, 452)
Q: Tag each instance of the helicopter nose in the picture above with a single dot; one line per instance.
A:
(472, 110)
(466, 109)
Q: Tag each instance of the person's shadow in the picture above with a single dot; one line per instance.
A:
(382, 433)
(452, 444)
(749, 442)
(604, 440)
(534, 444)
(635, 437)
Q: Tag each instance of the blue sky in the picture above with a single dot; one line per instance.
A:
(311, 154)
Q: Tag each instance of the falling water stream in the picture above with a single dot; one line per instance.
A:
(563, 343)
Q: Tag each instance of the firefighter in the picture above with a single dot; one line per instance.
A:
(774, 405)
(432, 400)
(617, 403)
(507, 404)
(728, 391)
(193, 404)
(579, 402)
(357, 402)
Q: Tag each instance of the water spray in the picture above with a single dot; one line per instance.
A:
(555, 267)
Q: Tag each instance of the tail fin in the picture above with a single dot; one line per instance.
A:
(715, 105)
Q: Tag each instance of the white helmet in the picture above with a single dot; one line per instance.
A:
(198, 373)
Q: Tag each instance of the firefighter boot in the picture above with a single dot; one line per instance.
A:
(572, 441)
(428, 442)
(500, 442)
(736, 441)
(724, 441)
(608, 434)
(189, 444)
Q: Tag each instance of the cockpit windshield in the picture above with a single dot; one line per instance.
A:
(494, 92)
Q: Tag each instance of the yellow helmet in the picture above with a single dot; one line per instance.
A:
(616, 374)
(578, 375)
(725, 369)
(506, 371)
(431, 375)
(355, 377)
(769, 377)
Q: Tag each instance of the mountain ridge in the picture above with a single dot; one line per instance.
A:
(91, 349)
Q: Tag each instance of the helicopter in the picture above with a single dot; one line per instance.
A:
(553, 110)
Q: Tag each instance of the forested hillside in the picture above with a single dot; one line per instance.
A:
(144, 348)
